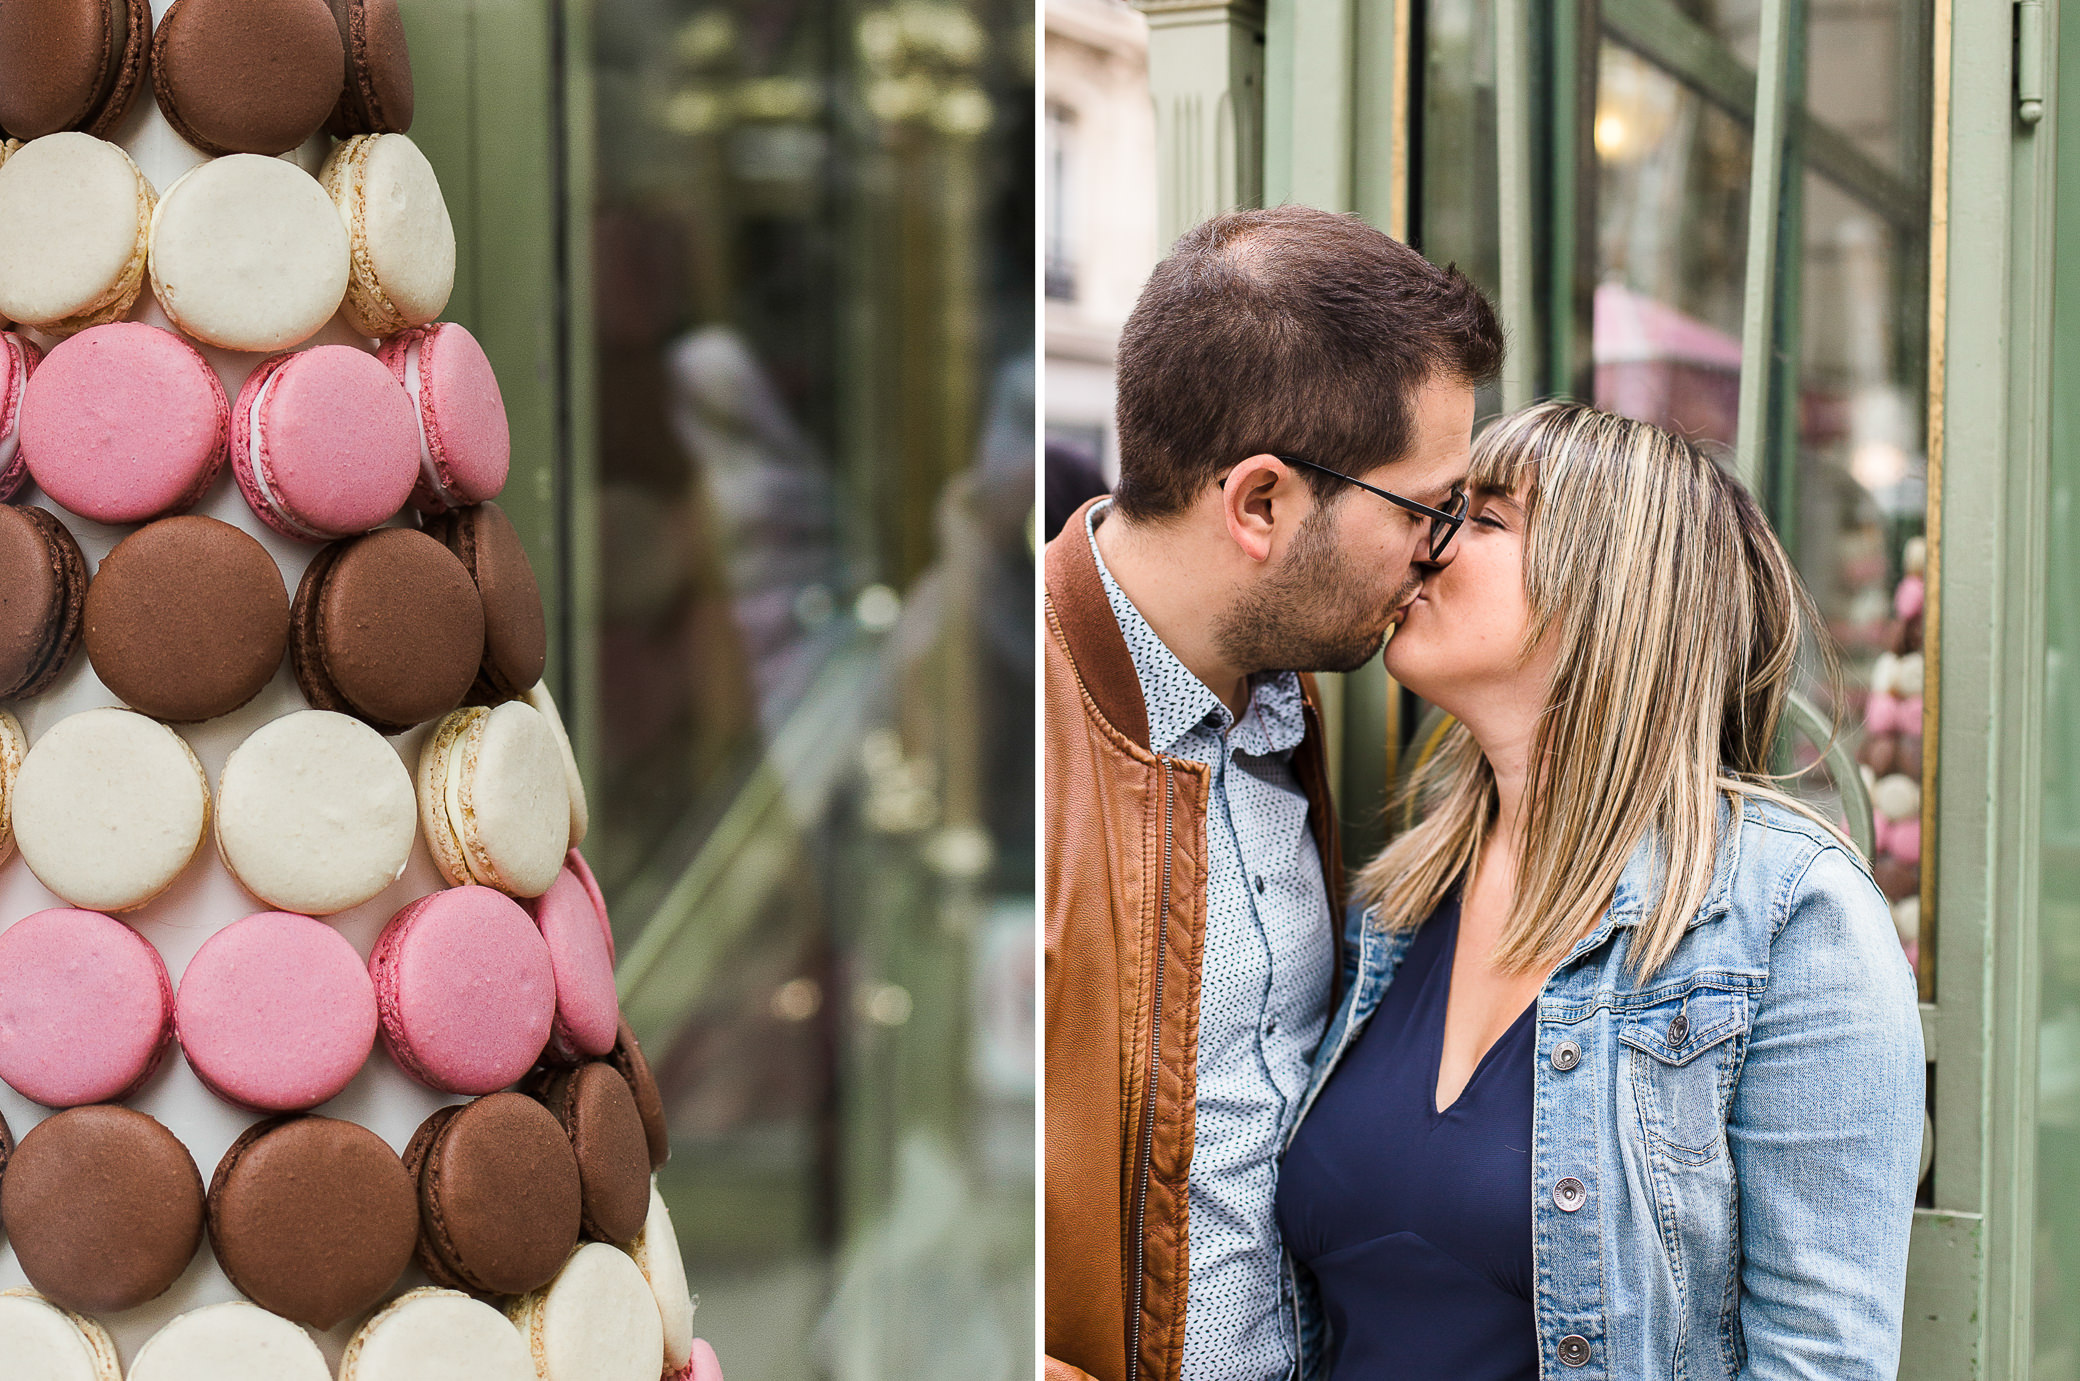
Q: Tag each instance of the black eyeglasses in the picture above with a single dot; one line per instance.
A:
(1444, 524)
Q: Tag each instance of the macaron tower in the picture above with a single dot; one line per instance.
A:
(311, 1061)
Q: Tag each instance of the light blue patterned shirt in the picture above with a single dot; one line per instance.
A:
(1263, 997)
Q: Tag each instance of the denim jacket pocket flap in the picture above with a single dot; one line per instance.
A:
(1684, 1049)
(1681, 1027)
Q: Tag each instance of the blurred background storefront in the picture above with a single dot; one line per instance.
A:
(758, 279)
(1098, 235)
(1835, 241)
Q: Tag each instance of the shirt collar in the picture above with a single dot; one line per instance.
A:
(1274, 720)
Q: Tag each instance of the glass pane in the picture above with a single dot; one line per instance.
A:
(2055, 1354)
(1846, 456)
(1454, 217)
(1666, 213)
(1671, 249)
(813, 236)
(1851, 495)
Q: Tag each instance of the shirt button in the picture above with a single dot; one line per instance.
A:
(1570, 1195)
(1678, 1031)
(1270, 1026)
(1260, 884)
(1574, 1350)
(1566, 1056)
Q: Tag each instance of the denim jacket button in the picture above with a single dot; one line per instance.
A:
(1678, 1031)
(1566, 1056)
(1574, 1350)
(1570, 1195)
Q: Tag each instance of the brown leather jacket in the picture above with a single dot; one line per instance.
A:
(1126, 926)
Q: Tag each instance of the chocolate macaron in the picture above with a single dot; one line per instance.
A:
(628, 1061)
(598, 1113)
(516, 637)
(70, 64)
(43, 595)
(103, 1207)
(499, 1198)
(388, 628)
(1897, 878)
(313, 1218)
(247, 76)
(187, 619)
(378, 94)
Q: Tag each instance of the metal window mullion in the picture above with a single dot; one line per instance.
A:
(1568, 41)
(1780, 496)
(1515, 110)
(1776, 74)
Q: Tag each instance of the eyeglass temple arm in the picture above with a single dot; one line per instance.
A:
(1410, 504)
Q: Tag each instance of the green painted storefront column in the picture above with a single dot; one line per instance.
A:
(1262, 102)
(1206, 74)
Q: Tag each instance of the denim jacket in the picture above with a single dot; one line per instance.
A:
(1724, 1157)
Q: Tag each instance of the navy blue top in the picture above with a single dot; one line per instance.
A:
(1416, 1224)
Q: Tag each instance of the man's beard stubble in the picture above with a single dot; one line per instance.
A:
(1311, 614)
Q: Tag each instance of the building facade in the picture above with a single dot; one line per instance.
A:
(1098, 229)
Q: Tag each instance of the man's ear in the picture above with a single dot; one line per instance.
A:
(1261, 495)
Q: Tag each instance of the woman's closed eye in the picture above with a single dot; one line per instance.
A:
(1493, 510)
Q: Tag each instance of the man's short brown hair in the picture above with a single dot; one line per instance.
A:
(1289, 331)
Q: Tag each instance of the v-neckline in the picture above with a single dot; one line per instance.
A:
(1444, 1013)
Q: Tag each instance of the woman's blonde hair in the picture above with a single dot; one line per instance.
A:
(1678, 621)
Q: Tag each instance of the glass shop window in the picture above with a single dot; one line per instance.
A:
(1646, 238)
(812, 306)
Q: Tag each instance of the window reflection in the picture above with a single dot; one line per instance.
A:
(1858, 503)
(1672, 201)
(812, 249)
(1454, 216)
(1845, 466)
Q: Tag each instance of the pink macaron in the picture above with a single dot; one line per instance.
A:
(588, 1011)
(125, 423)
(18, 360)
(86, 1009)
(465, 444)
(325, 443)
(276, 1012)
(575, 861)
(701, 1366)
(465, 989)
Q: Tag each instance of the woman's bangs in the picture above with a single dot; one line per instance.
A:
(1505, 457)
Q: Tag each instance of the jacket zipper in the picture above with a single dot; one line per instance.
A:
(1148, 1111)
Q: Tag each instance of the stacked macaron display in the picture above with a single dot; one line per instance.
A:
(1890, 753)
(311, 1059)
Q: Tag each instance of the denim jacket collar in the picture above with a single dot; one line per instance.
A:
(1639, 885)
